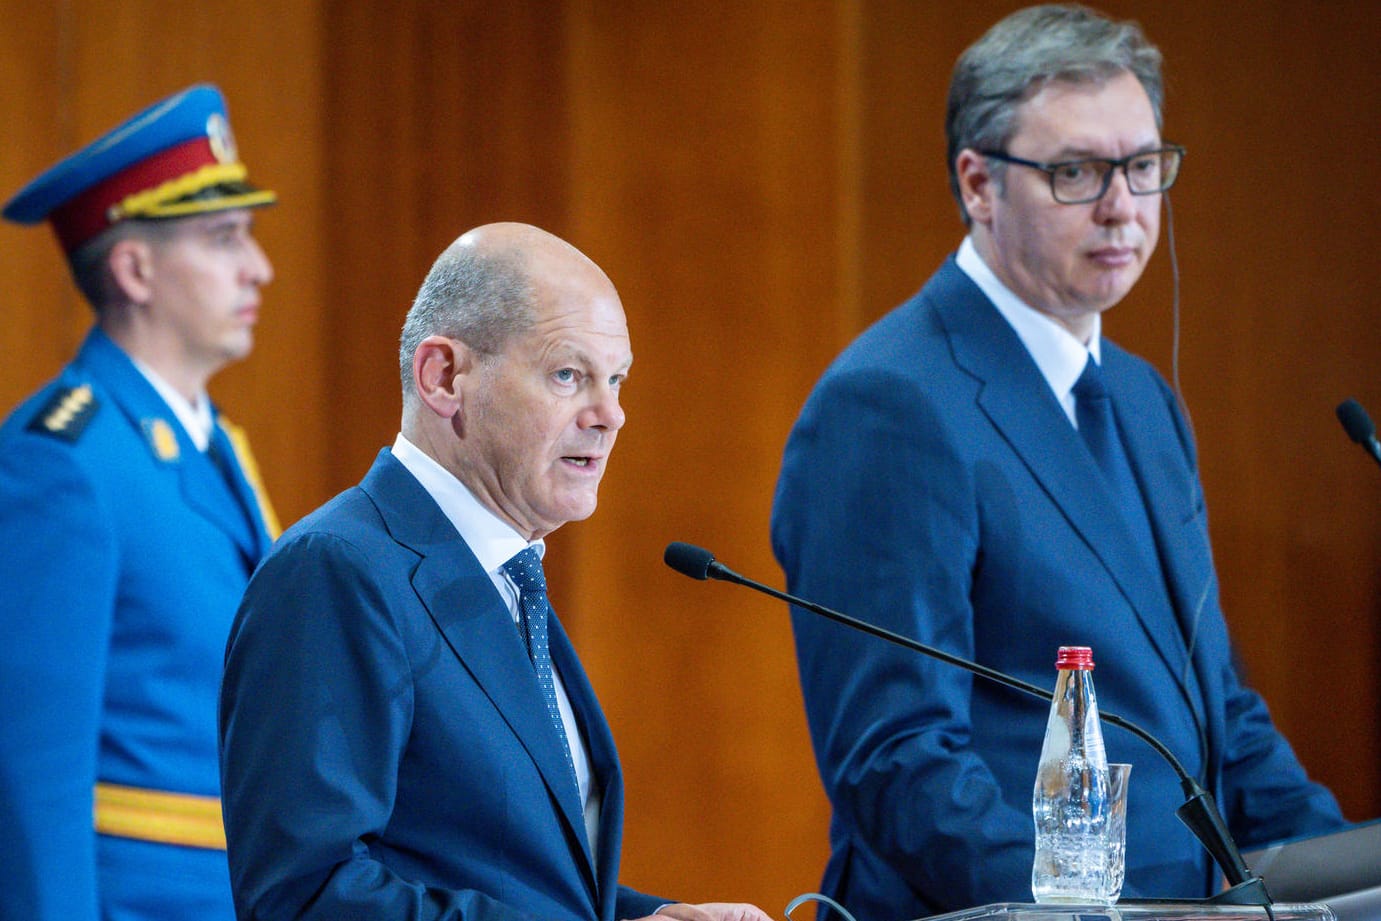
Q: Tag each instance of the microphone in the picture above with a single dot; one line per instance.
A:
(1359, 427)
(1199, 812)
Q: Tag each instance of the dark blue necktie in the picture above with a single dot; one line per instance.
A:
(525, 570)
(1094, 411)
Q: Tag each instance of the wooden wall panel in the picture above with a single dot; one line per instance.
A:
(43, 317)
(440, 117)
(760, 180)
(1276, 232)
(705, 180)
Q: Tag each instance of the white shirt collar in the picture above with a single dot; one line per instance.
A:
(1057, 353)
(196, 421)
(489, 537)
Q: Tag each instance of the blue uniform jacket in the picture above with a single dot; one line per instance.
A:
(125, 552)
(386, 752)
(934, 486)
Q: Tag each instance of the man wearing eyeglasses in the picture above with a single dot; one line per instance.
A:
(984, 472)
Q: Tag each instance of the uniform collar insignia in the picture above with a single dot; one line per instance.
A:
(162, 439)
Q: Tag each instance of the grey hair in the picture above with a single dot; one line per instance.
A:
(482, 299)
(1020, 55)
(90, 262)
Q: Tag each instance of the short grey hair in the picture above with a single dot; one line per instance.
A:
(482, 299)
(1025, 51)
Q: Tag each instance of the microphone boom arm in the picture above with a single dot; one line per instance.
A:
(1199, 812)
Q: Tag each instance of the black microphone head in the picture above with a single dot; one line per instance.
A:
(1356, 422)
(688, 559)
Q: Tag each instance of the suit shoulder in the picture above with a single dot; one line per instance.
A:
(1124, 360)
(1133, 367)
(916, 323)
(349, 516)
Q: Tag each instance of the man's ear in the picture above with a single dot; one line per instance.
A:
(439, 367)
(977, 187)
(131, 268)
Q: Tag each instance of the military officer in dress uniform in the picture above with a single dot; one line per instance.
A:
(131, 516)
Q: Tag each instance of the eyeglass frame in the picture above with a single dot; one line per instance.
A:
(1113, 166)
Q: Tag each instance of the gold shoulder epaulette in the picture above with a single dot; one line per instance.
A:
(67, 413)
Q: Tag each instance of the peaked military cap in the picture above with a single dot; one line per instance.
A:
(174, 159)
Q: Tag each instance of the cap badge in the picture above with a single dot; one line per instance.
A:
(222, 139)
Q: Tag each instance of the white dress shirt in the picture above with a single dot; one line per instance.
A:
(195, 419)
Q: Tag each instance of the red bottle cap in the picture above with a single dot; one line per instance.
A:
(1079, 658)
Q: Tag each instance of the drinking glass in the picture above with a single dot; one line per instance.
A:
(1118, 775)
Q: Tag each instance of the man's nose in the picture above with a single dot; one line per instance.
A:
(1117, 205)
(258, 269)
(604, 412)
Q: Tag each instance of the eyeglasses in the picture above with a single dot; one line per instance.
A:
(1076, 182)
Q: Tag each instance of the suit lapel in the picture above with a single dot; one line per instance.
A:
(1017, 400)
(461, 600)
(604, 762)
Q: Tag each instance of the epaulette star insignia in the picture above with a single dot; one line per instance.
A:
(162, 439)
(66, 415)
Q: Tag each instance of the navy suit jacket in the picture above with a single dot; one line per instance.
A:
(386, 752)
(934, 486)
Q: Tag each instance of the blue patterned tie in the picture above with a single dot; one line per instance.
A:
(525, 570)
(1094, 411)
